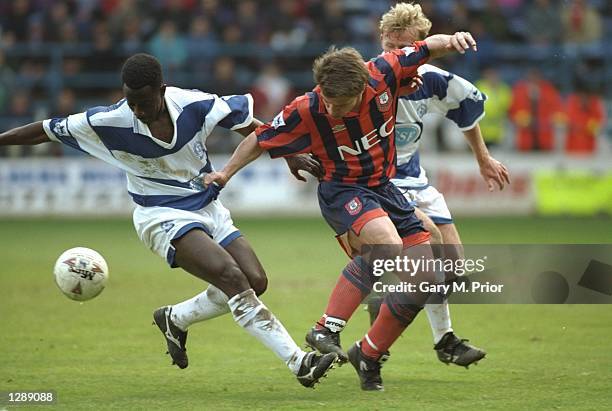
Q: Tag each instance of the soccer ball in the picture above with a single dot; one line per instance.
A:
(81, 273)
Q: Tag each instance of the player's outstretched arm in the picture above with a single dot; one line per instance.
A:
(491, 170)
(246, 131)
(27, 135)
(247, 151)
(442, 44)
(296, 163)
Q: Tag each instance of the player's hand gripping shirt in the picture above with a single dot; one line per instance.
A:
(443, 93)
(360, 147)
(158, 173)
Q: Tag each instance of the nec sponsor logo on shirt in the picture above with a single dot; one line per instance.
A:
(367, 141)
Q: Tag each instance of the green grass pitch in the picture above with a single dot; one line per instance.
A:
(105, 354)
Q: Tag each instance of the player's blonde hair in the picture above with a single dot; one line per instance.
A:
(340, 72)
(404, 16)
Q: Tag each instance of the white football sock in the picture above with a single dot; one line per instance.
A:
(209, 304)
(439, 319)
(252, 315)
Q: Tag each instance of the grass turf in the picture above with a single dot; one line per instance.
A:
(104, 354)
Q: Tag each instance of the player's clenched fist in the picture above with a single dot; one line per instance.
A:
(307, 163)
(216, 177)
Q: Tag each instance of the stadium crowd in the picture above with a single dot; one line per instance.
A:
(542, 63)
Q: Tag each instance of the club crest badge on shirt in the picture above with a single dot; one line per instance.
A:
(383, 101)
(198, 149)
(354, 206)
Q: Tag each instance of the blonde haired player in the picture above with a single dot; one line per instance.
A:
(460, 101)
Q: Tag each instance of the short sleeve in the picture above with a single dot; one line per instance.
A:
(286, 135)
(410, 59)
(73, 131)
(459, 100)
(399, 66)
(240, 109)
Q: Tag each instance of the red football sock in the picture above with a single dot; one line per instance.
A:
(343, 301)
(345, 297)
(385, 330)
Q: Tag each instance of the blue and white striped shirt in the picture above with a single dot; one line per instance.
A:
(158, 173)
(443, 93)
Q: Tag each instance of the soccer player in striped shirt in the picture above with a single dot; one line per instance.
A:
(347, 122)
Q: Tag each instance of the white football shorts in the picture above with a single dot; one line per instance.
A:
(431, 202)
(157, 227)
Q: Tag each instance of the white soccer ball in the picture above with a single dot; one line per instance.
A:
(81, 273)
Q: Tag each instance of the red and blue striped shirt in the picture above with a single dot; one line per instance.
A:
(360, 147)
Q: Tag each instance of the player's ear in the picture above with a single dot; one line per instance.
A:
(162, 90)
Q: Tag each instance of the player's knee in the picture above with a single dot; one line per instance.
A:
(393, 247)
(232, 280)
(387, 237)
(403, 307)
(430, 226)
(259, 283)
(385, 244)
(377, 231)
(436, 234)
(360, 271)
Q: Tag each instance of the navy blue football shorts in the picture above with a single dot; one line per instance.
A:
(349, 207)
